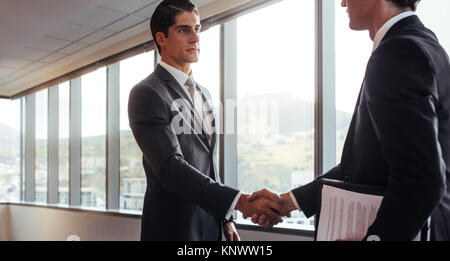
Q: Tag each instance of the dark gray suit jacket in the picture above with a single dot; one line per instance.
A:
(184, 200)
(399, 136)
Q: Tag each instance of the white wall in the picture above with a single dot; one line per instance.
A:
(46, 224)
(4, 222)
(28, 223)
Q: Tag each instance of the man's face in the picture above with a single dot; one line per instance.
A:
(183, 43)
(360, 13)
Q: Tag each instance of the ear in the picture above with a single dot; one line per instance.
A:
(160, 39)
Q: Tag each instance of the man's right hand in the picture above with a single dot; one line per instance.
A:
(284, 200)
(260, 207)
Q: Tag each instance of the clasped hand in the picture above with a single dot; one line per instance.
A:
(265, 207)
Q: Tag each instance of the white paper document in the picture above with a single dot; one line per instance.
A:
(346, 215)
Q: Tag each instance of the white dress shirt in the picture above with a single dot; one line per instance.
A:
(387, 26)
(181, 78)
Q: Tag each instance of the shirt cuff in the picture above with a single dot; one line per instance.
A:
(294, 200)
(233, 206)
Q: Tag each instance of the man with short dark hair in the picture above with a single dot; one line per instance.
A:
(173, 123)
(402, 4)
(399, 137)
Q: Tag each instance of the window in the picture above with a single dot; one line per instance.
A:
(132, 71)
(10, 150)
(93, 144)
(353, 49)
(64, 109)
(275, 97)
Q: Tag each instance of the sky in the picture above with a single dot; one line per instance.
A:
(276, 50)
(93, 103)
(64, 110)
(132, 71)
(10, 113)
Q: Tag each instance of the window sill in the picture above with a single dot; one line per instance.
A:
(138, 215)
(94, 211)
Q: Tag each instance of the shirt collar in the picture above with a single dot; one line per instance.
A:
(179, 76)
(387, 26)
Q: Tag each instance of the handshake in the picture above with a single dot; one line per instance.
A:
(266, 208)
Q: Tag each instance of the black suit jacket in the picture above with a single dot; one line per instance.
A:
(399, 136)
(184, 200)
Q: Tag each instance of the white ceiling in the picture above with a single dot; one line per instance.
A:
(38, 33)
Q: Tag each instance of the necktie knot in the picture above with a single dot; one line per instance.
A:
(190, 83)
(191, 88)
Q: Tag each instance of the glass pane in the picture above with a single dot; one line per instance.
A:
(10, 150)
(353, 49)
(41, 145)
(93, 144)
(132, 176)
(276, 90)
(207, 71)
(64, 109)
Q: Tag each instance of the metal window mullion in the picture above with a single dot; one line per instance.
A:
(327, 82)
(53, 145)
(75, 143)
(229, 93)
(30, 147)
(22, 151)
(113, 136)
(325, 111)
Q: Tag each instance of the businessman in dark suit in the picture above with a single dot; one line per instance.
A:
(173, 122)
(399, 137)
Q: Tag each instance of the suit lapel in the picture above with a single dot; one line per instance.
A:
(175, 86)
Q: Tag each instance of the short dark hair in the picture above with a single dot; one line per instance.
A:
(406, 3)
(165, 14)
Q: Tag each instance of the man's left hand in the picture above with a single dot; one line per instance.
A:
(230, 232)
